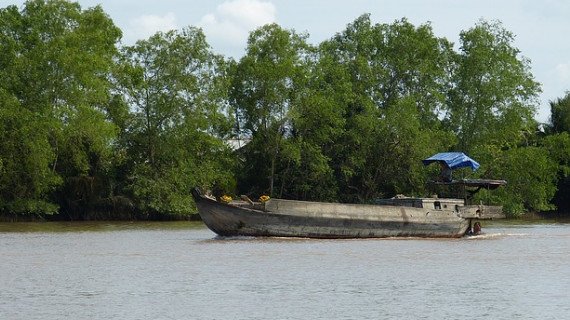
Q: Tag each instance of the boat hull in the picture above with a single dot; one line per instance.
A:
(287, 218)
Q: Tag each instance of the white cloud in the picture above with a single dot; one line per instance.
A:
(232, 21)
(563, 71)
(145, 26)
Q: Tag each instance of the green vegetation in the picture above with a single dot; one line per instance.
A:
(92, 130)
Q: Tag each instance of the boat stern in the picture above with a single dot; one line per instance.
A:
(482, 212)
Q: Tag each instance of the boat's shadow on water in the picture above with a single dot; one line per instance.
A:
(249, 239)
(238, 239)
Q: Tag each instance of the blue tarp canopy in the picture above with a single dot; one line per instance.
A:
(453, 160)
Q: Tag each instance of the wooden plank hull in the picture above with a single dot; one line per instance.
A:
(286, 218)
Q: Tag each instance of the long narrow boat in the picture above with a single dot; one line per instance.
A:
(396, 217)
(399, 217)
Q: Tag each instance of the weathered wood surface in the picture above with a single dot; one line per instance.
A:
(287, 218)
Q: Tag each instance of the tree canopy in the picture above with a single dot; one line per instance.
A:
(54, 69)
(173, 136)
(92, 129)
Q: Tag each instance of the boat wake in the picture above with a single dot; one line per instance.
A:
(484, 236)
(489, 236)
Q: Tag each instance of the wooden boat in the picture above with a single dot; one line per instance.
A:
(398, 217)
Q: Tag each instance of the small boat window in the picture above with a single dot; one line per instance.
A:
(437, 205)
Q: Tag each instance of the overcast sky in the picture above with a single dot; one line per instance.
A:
(541, 27)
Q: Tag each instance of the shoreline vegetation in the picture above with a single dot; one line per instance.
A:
(91, 129)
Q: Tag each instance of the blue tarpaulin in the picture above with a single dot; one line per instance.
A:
(453, 160)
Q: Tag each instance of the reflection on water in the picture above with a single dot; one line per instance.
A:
(95, 226)
(181, 270)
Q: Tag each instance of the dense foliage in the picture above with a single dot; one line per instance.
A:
(90, 129)
(54, 69)
(173, 90)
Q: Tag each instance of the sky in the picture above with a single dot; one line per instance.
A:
(540, 27)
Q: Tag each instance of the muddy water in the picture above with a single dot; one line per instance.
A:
(183, 271)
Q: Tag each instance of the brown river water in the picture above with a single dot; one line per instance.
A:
(183, 271)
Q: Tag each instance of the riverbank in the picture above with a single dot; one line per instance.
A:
(45, 226)
(64, 218)
(96, 226)
(530, 216)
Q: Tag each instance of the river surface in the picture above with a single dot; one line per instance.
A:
(183, 271)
